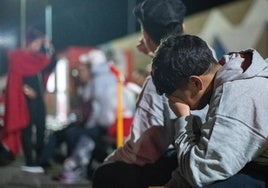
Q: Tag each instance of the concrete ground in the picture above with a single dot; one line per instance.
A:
(11, 176)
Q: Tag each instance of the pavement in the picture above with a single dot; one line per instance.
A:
(11, 176)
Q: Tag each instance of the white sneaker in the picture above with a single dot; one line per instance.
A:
(33, 169)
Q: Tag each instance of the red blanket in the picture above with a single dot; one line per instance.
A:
(22, 63)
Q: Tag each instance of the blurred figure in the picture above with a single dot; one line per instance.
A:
(103, 107)
(78, 116)
(25, 107)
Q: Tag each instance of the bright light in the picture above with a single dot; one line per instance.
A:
(51, 83)
(61, 75)
(7, 40)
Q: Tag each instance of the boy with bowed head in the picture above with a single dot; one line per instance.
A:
(233, 138)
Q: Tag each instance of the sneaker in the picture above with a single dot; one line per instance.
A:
(32, 169)
(71, 176)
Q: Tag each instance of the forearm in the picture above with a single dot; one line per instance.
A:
(218, 154)
(146, 150)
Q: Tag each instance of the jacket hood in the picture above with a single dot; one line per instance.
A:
(241, 65)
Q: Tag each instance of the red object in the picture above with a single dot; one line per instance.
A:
(73, 53)
(22, 63)
(115, 71)
(129, 61)
(127, 122)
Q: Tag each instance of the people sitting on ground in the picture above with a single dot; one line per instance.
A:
(80, 109)
(102, 115)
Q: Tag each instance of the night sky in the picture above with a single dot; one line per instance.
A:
(78, 22)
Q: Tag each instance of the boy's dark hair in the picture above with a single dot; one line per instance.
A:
(177, 58)
(160, 18)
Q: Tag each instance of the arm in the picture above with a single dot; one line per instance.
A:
(226, 144)
(217, 155)
(144, 145)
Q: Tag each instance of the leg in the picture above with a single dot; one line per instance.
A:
(117, 175)
(159, 173)
(251, 176)
(54, 140)
(27, 145)
(122, 175)
(239, 180)
(40, 125)
(72, 135)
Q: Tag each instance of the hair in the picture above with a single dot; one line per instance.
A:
(177, 58)
(160, 18)
(157, 32)
(33, 34)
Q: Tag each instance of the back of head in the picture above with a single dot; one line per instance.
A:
(159, 18)
(177, 58)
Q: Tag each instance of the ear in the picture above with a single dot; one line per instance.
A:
(195, 84)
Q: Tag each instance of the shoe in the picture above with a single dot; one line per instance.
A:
(71, 176)
(32, 169)
(6, 156)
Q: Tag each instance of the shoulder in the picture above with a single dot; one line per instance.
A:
(16, 52)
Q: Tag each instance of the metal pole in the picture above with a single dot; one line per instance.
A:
(22, 23)
(49, 21)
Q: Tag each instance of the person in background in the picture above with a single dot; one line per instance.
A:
(145, 158)
(80, 103)
(25, 107)
(103, 113)
(232, 142)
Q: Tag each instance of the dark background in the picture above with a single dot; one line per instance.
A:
(77, 22)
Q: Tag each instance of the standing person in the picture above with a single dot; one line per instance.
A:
(234, 137)
(145, 159)
(25, 105)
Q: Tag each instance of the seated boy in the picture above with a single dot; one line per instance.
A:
(235, 134)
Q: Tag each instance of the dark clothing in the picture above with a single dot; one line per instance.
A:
(21, 64)
(251, 176)
(239, 180)
(123, 175)
(68, 135)
(37, 117)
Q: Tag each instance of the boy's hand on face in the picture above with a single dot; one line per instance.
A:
(178, 106)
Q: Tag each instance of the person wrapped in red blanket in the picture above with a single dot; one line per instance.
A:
(24, 103)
